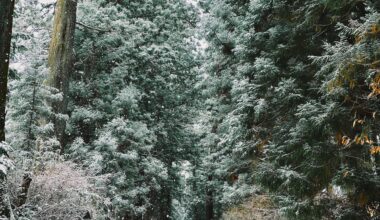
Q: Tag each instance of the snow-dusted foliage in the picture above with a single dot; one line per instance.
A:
(5, 162)
(289, 91)
(61, 190)
(193, 109)
(129, 98)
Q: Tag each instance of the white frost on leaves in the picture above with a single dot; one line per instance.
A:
(193, 2)
(47, 2)
(18, 66)
(66, 191)
(5, 147)
(3, 168)
(338, 191)
(5, 162)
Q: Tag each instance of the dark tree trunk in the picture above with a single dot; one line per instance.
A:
(209, 200)
(166, 204)
(61, 60)
(6, 17)
(197, 209)
(166, 194)
(6, 13)
(31, 116)
(24, 188)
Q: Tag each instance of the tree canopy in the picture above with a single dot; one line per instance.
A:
(190, 109)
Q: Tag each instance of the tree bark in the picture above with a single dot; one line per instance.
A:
(61, 61)
(23, 191)
(166, 194)
(31, 116)
(165, 213)
(6, 13)
(6, 18)
(209, 200)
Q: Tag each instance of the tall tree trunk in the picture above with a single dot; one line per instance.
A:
(166, 194)
(31, 116)
(6, 18)
(6, 13)
(166, 204)
(209, 200)
(22, 195)
(61, 60)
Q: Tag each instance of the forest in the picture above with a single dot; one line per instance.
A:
(190, 109)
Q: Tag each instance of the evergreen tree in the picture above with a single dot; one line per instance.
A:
(130, 99)
(269, 111)
(192, 109)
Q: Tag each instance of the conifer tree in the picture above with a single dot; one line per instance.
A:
(130, 100)
(275, 120)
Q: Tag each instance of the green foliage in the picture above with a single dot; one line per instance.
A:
(130, 101)
(189, 109)
(279, 104)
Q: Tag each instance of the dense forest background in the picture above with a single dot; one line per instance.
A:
(180, 109)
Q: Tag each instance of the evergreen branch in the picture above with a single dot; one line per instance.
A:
(92, 28)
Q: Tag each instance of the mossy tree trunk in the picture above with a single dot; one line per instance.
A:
(6, 17)
(61, 61)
